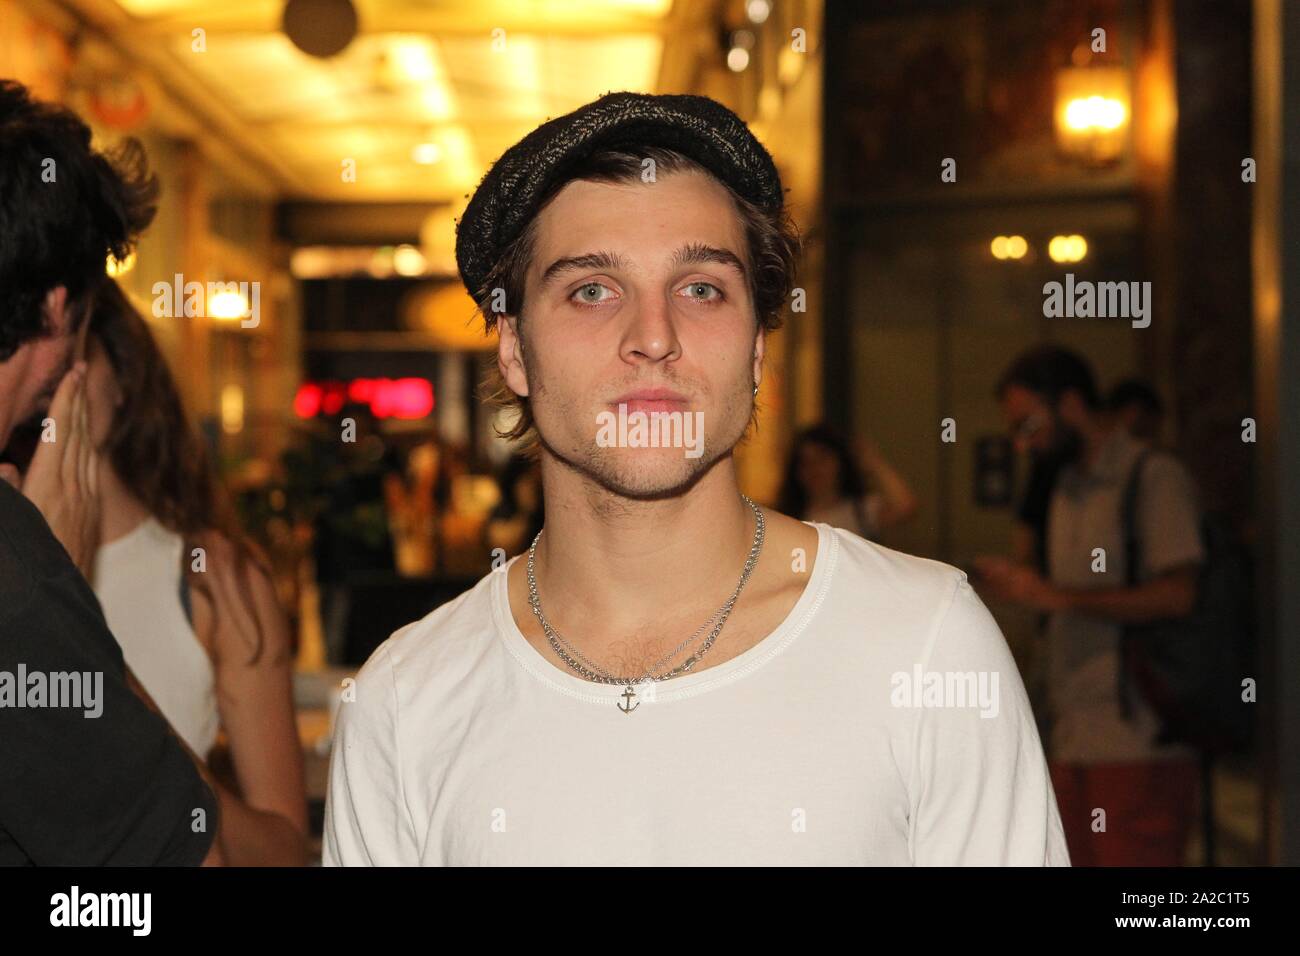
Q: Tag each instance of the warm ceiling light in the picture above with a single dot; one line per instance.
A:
(1067, 248)
(737, 59)
(758, 10)
(227, 306)
(408, 261)
(426, 154)
(1008, 247)
(412, 59)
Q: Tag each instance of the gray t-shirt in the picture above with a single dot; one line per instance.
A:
(1083, 649)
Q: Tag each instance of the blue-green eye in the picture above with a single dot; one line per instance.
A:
(701, 290)
(589, 293)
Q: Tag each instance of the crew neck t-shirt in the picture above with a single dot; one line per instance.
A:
(463, 745)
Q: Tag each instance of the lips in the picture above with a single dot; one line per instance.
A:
(651, 400)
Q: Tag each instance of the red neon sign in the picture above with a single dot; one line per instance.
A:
(387, 398)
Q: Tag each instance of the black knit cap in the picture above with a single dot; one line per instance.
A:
(696, 126)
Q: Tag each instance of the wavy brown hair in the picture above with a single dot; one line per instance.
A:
(158, 455)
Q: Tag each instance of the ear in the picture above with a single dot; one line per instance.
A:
(510, 355)
(56, 310)
(760, 348)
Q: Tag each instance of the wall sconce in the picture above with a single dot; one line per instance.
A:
(1092, 113)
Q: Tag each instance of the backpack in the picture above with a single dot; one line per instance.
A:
(1191, 669)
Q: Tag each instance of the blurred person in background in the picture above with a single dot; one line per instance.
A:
(1101, 756)
(517, 517)
(118, 789)
(352, 531)
(1137, 408)
(203, 631)
(824, 481)
(409, 498)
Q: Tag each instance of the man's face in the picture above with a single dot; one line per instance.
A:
(637, 286)
(1035, 426)
(38, 366)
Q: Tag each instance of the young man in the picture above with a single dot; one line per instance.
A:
(1100, 757)
(686, 678)
(89, 775)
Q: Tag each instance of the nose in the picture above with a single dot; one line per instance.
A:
(651, 333)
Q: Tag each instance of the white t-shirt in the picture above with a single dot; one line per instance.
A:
(465, 746)
(137, 579)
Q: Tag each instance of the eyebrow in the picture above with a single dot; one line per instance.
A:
(590, 260)
(695, 253)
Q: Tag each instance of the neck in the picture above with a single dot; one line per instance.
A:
(624, 562)
(120, 512)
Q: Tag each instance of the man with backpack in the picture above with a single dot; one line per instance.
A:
(1125, 776)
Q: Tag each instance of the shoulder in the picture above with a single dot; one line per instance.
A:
(1160, 464)
(441, 646)
(913, 607)
(31, 557)
(237, 612)
(884, 571)
(28, 549)
(1164, 481)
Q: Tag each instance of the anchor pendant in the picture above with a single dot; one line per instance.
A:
(629, 694)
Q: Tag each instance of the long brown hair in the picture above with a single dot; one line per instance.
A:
(156, 453)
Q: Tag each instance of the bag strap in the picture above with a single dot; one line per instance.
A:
(1132, 558)
(1128, 519)
(187, 603)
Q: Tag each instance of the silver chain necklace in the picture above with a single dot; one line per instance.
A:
(575, 660)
